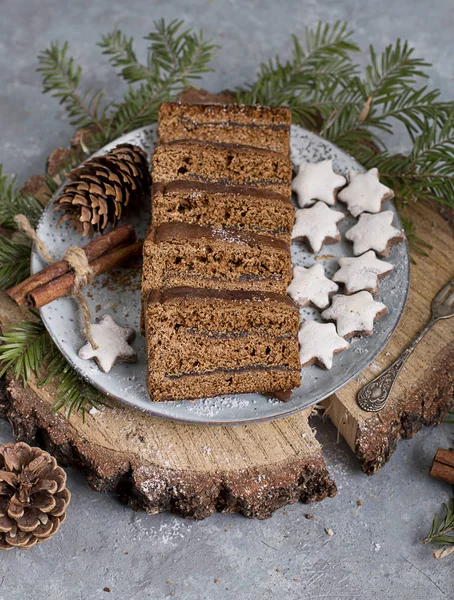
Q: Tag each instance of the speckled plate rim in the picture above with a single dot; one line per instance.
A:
(256, 419)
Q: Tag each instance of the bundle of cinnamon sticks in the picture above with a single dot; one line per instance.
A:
(57, 280)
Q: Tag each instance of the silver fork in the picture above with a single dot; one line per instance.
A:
(374, 395)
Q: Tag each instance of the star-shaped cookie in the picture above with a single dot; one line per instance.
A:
(112, 341)
(319, 342)
(365, 193)
(311, 286)
(374, 232)
(317, 226)
(361, 272)
(354, 315)
(317, 181)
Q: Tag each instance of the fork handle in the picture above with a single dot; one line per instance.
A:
(375, 394)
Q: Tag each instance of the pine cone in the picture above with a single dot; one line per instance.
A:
(33, 496)
(103, 187)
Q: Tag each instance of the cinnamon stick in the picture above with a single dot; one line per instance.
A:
(443, 465)
(62, 286)
(93, 250)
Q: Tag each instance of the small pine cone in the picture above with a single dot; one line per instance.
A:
(103, 187)
(33, 496)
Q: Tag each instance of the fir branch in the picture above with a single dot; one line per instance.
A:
(13, 202)
(394, 72)
(73, 393)
(175, 59)
(24, 348)
(61, 78)
(442, 532)
(324, 60)
(122, 56)
(14, 260)
(29, 351)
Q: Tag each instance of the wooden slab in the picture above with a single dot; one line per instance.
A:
(423, 392)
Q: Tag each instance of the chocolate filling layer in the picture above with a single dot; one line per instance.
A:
(181, 231)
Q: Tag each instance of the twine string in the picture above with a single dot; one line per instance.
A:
(78, 261)
(83, 275)
(24, 225)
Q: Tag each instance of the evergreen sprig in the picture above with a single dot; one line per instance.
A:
(13, 202)
(14, 260)
(442, 531)
(176, 58)
(28, 350)
(324, 58)
(61, 77)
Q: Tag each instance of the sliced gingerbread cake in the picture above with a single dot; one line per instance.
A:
(202, 343)
(183, 254)
(223, 206)
(227, 164)
(258, 126)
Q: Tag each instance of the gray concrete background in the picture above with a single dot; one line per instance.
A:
(376, 551)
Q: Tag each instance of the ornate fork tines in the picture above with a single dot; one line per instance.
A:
(375, 394)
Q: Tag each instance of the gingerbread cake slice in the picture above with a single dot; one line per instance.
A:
(183, 254)
(227, 164)
(222, 206)
(202, 343)
(257, 126)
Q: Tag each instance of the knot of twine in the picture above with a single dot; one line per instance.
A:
(78, 261)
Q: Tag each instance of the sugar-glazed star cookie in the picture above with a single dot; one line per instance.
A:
(317, 226)
(354, 315)
(311, 286)
(317, 181)
(374, 232)
(361, 272)
(319, 342)
(112, 341)
(365, 193)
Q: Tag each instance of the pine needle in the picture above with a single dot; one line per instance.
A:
(29, 351)
(61, 78)
(176, 58)
(13, 202)
(442, 530)
(14, 260)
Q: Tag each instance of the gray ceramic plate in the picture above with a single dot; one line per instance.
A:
(112, 295)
